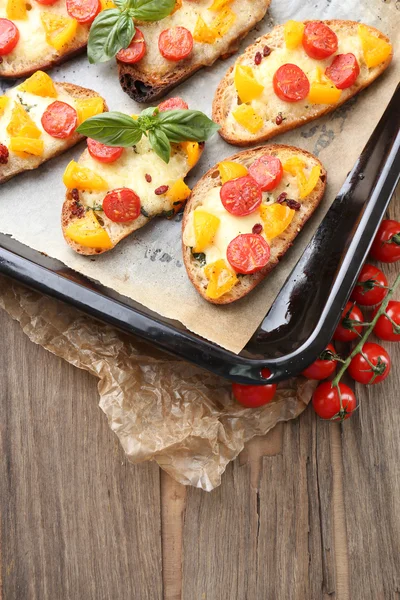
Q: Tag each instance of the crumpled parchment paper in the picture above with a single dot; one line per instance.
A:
(161, 408)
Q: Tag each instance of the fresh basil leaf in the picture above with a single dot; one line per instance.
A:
(186, 125)
(110, 32)
(112, 129)
(151, 111)
(151, 10)
(160, 144)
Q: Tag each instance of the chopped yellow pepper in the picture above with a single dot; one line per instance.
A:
(324, 93)
(4, 102)
(295, 166)
(88, 232)
(178, 5)
(276, 218)
(223, 22)
(247, 117)
(193, 151)
(220, 4)
(293, 33)
(312, 181)
(229, 170)
(21, 124)
(26, 147)
(375, 50)
(106, 4)
(205, 228)
(89, 107)
(39, 84)
(60, 31)
(246, 84)
(82, 178)
(221, 279)
(16, 10)
(179, 192)
(203, 33)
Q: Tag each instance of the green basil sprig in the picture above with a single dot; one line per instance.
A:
(162, 129)
(113, 29)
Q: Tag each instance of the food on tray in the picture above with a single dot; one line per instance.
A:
(296, 73)
(184, 36)
(243, 216)
(38, 120)
(133, 170)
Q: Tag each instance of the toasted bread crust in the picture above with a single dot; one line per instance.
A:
(275, 37)
(279, 245)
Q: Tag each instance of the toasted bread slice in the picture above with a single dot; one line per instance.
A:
(276, 115)
(154, 76)
(35, 107)
(33, 51)
(203, 195)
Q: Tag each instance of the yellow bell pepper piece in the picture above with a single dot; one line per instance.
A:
(107, 4)
(205, 227)
(293, 34)
(229, 170)
(21, 124)
(276, 218)
(39, 84)
(247, 117)
(82, 178)
(25, 146)
(221, 279)
(375, 50)
(60, 31)
(246, 85)
(193, 151)
(4, 102)
(307, 187)
(179, 192)
(88, 232)
(88, 107)
(295, 166)
(324, 93)
(16, 10)
(203, 33)
(220, 4)
(223, 22)
(178, 5)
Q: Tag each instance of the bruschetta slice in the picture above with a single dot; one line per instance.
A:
(296, 73)
(38, 120)
(243, 216)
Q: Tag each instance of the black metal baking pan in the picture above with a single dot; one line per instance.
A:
(305, 313)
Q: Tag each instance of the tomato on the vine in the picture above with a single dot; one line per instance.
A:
(386, 245)
(371, 365)
(388, 325)
(371, 286)
(348, 330)
(326, 401)
(324, 366)
(253, 396)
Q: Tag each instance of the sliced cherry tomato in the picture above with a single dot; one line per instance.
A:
(370, 288)
(9, 36)
(135, 51)
(343, 71)
(121, 205)
(326, 401)
(253, 396)
(59, 120)
(175, 43)
(347, 330)
(360, 368)
(324, 366)
(248, 253)
(83, 11)
(103, 153)
(241, 196)
(388, 326)
(173, 104)
(47, 2)
(267, 171)
(319, 41)
(386, 246)
(291, 83)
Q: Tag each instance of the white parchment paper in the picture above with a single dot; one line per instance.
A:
(148, 267)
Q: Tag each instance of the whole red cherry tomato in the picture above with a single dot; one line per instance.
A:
(252, 396)
(361, 368)
(324, 366)
(371, 286)
(347, 330)
(326, 401)
(388, 325)
(386, 246)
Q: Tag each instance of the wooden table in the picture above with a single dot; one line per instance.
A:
(310, 512)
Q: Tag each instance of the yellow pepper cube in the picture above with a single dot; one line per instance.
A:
(25, 147)
(89, 107)
(205, 228)
(218, 5)
(276, 219)
(293, 165)
(203, 33)
(107, 4)
(60, 31)
(21, 124)
(39, 84)
(247, 117)
(375, 50)
(4, 102)
(179, 192)
(89, 233)
(222, 23)
(293, 34)
(193, 151)
(16, 10)
(307, 187)
(229, 170)
(221, 279)
(324, 93)
(246, 85)
(82, 178)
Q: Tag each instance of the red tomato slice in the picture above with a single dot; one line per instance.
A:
(319, 41)
(343, 71)
(121, 205)
(248, 253)
(83, 11)
(103, 153)
(267, 172)
(59, 120)
(135, 51)
(291, 83)
(46, 2)
(241, 196)
(9, 36)
(175, 43)
(173, 104)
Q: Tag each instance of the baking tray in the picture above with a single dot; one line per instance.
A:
(303, 317)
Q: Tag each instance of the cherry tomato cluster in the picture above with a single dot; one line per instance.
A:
(370, 363)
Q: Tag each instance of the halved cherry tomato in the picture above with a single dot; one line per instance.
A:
(253, 396)
(103, 153)
(371, 286)
(267, 171)
(324, 366)
(248, 253)
(347, 330)
(83, 11)
(388, 325)
(173, 104)
(122, 205)
(326, 401)
(135, 51)
(343, 71)
(360, 368)
(175, 43)
(319, 41)
(386, 245)
(46, 2)
(241, 196)
(291, 83)
(9, 36)
(59, 120)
